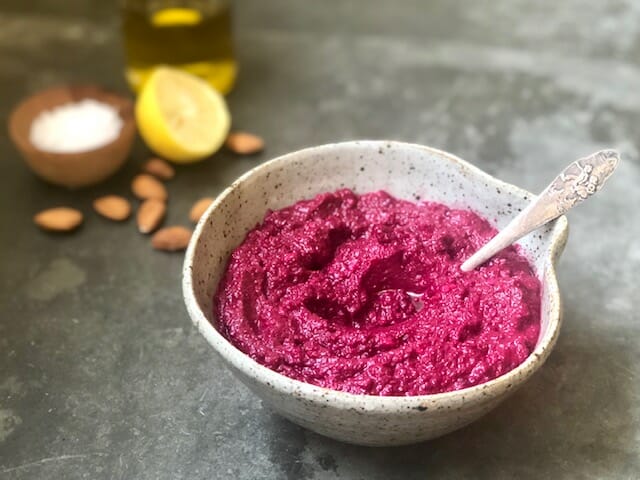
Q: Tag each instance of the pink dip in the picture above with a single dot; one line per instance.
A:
(364, 294)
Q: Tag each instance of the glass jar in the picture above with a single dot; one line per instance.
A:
(193, 35)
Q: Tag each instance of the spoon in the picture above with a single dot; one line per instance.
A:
(576, 183)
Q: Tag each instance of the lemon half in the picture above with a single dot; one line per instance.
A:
(180, 116)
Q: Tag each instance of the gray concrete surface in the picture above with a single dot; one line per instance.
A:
(102, 375)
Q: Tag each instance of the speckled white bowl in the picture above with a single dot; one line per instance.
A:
(406, 171)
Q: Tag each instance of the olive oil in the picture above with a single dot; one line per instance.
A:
(191, 35)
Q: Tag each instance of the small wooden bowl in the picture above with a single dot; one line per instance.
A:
(73, 170)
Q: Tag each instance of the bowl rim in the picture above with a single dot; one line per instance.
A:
(375, 403)
(127, 132)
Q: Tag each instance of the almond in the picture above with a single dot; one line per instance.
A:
(145, 186)
(199, 208)
(159, 168)
(113, 207)
(150, 215)
(171, 239)
(244, 143)
(58, 219)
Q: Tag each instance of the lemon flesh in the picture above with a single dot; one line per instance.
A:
(180, 116)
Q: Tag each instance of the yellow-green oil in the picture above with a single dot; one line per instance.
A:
(193, 36)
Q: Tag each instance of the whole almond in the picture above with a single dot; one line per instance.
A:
(171, 239)
(145, 186)
(113, 207)
(159, 168)
(244, 143)
(58, 219)
(150, 215)
(199, 208)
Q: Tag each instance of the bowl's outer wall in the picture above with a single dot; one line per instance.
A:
(367, 427)
(406, 171)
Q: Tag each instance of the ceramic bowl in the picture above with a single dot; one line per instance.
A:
(72, 170)
(406, 171)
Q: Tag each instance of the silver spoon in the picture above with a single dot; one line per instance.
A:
(576, 183)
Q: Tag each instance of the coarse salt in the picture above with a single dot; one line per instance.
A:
(76, 127)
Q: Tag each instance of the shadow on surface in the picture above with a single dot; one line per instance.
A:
(572, 417)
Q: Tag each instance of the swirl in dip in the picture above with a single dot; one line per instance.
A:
(364, 294)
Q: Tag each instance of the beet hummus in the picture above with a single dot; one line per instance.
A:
(364, 294)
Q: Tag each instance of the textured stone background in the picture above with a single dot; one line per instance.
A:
(102, 375)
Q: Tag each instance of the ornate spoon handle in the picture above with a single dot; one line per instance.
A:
(576, 183)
